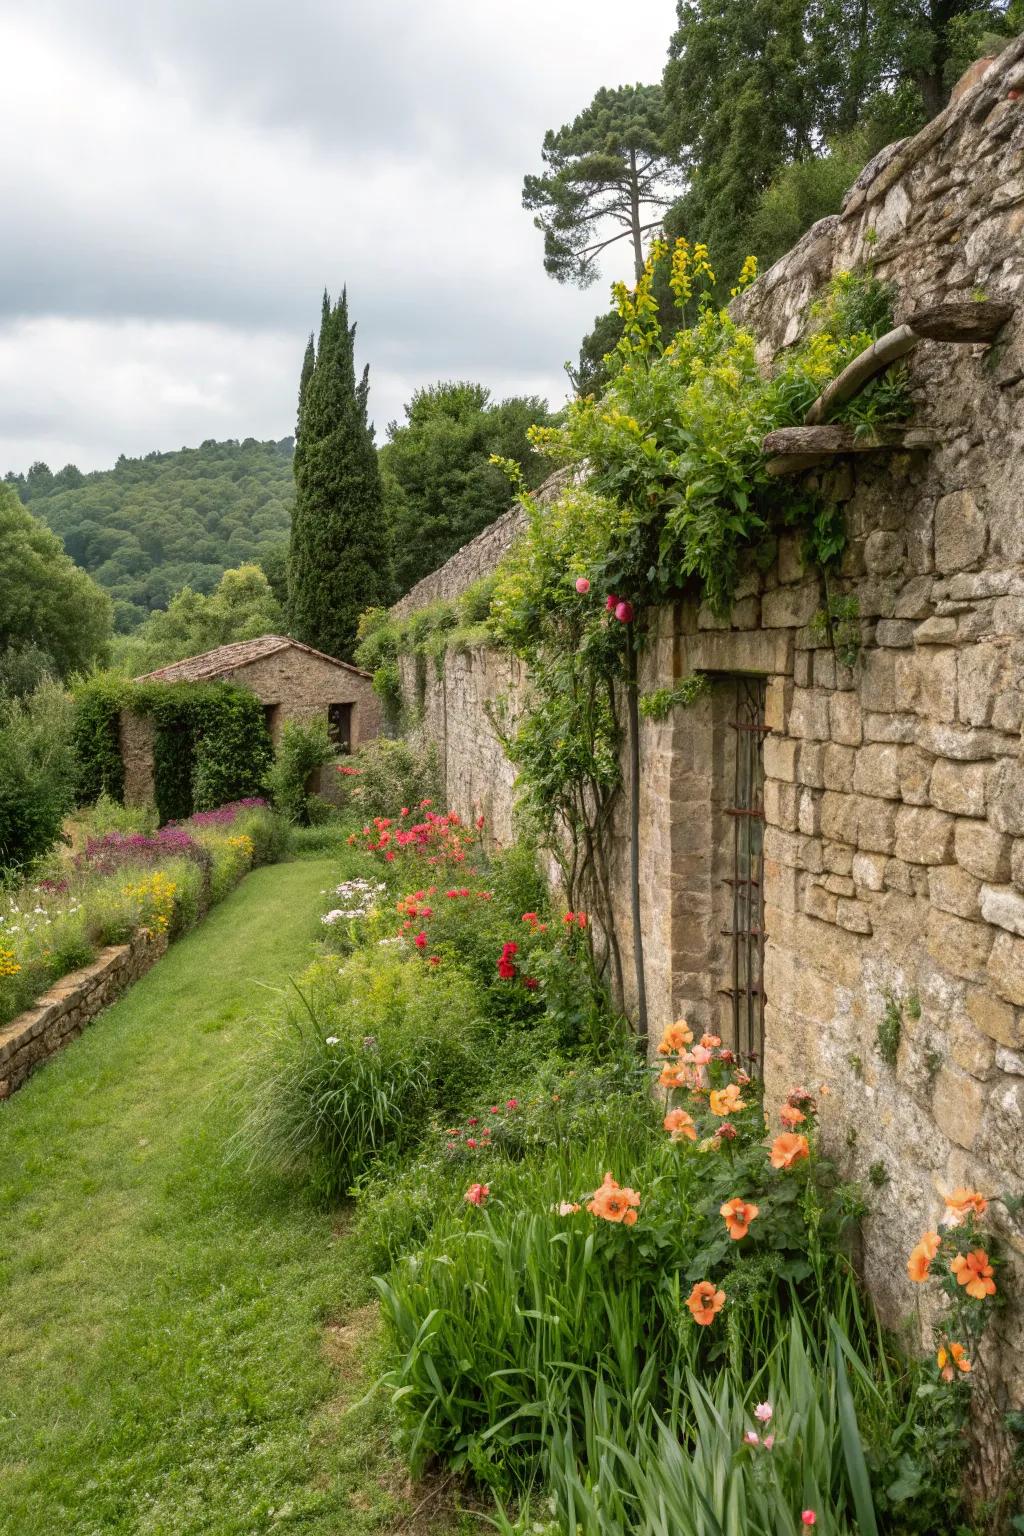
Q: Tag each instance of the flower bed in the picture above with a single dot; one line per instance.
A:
(119, 884)
(611, 1292)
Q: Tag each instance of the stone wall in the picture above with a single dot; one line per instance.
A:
(893, 796)
(61, 1014)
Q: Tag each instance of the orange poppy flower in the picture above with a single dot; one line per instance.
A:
(920, 1261)
(675, 1038)
(956, 1356)
(673, 1076)
(613, 1203)
(790, 1115)
(704, 1302)
(961, 1202)
(678, 1122)
(974, 1273)
(788, 1149)
(738, 1216)
(726, 1101)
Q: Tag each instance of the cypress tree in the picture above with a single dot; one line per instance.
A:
(339, 558)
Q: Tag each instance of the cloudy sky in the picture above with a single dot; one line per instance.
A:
(180, 179)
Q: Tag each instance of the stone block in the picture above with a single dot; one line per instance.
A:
(1003, 906)
(876, 825)
(1017, 863)
(809, 769)
(780, 754)
(969, 1049)
(780, 804)
(868, 870)
(1006, 968)
(952, 889)
(839, 817)
(790, 607)
(877, 771)
(878, 685)
(884, 552)
(891, 727)
(837, 858)
(789, 561)
(936, 682)
(777, 698)
(915, 598)
(960, 532)
(995, 1018)
(1006, 797)
(978, 673)
(809, 812)
(839, 885)
(982, 851)
(958, 787)
(820, 903)
(923, 836)
(936, 631)
(960, 947)
(838, 767)
(853, 915)
(895, 634)
(845, 719)
(958, 1104)
(964, 743)
(915, 776)
(809, 714)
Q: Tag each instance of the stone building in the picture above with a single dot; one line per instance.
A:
(293, 681)
(832, 841)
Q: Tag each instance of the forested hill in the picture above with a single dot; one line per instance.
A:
(150, 526)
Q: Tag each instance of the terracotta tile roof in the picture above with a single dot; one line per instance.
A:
(228, 658)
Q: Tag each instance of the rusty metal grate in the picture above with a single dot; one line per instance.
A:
(746, 935)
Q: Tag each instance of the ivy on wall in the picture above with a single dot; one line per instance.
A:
(211, 743)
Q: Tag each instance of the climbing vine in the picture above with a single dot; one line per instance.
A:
(676, 497)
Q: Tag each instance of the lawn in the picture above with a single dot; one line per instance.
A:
(180, 1342)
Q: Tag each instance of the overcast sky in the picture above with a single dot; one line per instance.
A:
(180, 179)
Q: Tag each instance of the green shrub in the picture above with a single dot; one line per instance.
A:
(37, 774)
(391, 774)
(268, 831)
(98, 704)
(108, 815)
(358, 1065)
(304, 748)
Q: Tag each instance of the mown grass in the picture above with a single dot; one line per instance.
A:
(166, 1369)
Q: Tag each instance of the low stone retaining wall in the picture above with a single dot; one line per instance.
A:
(61, 1014)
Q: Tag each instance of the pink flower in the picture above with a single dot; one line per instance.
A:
(582, 585)
(763, 1412)
(808, 1517)
(700, 1055)
(476, 1194)
(495, 1110)
(470, 1142)
(512, 1104)
(624, 613)
(420, 941)
(611, 602)
(473, 1120)
(768, 1442)
(752, 1438)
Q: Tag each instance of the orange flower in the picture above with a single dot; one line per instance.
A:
(738, 1216)
(788, 1149)
(955, 1356)
(710, 1042)
(613, 1203)
(974, 1272)
(678, 1122)
(704, 1302)
(790, 1115)
(675, 1038)
(961, 1202)
(673, 1076)
(921, 1257)
(726, 1101)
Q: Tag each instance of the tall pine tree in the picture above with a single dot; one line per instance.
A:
(339, 559)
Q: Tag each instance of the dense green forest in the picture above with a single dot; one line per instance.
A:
(150, 526)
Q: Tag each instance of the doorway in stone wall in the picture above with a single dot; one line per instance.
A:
(737, 862)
